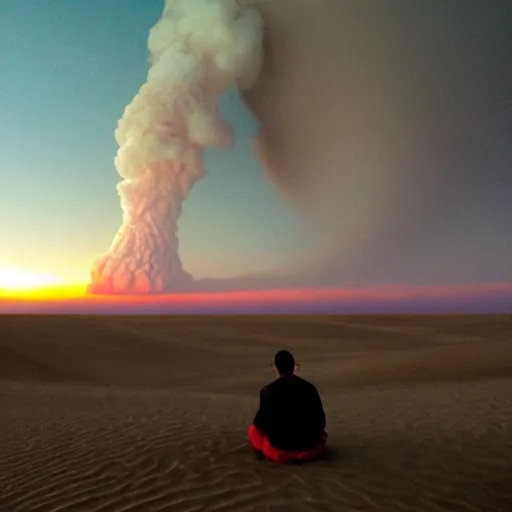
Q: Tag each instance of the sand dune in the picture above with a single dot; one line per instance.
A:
(150, 414)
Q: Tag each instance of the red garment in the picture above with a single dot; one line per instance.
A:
(260, 443)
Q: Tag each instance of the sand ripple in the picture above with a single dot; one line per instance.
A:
(105, 450)
(71, 441)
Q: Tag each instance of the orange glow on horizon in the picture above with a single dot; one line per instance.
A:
(44, 293)
(18, 287)
(76, 294)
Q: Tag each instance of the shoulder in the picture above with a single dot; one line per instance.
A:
(273, 388)
(302, 382)
(306, 385)
(265, 390)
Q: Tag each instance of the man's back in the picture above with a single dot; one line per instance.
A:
(291, 414)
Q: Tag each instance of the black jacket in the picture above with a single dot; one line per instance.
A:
(291, 414)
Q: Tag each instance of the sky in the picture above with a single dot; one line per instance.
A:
(71, 69)
(386, 143)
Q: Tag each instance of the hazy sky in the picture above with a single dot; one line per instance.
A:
(430, 87)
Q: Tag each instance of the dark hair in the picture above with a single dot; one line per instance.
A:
(285, 363)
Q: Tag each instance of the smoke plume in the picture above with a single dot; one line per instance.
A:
(380, 121)
(198, 49)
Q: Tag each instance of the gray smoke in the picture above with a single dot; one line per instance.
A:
(385, 122)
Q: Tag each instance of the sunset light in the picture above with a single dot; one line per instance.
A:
(17, 280)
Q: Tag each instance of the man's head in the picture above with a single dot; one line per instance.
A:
(284, 363)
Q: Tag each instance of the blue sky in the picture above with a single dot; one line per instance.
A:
(69, 70)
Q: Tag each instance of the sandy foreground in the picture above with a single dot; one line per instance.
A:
(151, 413)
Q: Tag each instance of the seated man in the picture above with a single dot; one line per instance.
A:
(290, 422)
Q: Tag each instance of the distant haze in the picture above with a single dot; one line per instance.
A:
(391, 124)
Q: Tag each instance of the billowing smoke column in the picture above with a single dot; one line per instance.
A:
(198, 49)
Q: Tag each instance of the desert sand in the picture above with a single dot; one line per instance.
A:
(151, 413)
